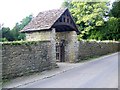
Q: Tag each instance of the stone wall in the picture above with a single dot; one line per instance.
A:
(26, 57)
(22, 58)
(71, 47)
(39, 36)
(90, 49)
(70, 38)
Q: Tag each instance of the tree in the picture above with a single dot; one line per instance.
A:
(109, 31)
(19, 26)
(114, 20)
(67, 3)
(88, 15)
(14, 34)
(111, 28)
(6, 34)
(115, 11)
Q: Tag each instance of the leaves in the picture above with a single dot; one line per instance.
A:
(90, 14)
(99, 23)
(115, 11)
(14, 34)
(96, 20)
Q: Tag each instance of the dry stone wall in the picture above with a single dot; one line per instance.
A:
(22, 59)
(36, 56)
(90, 49)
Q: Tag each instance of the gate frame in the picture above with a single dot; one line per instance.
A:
(60, 51)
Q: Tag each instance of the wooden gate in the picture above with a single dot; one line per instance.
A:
(60, 51)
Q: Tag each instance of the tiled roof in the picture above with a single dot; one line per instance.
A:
(44, 20)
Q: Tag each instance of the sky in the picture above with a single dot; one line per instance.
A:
(13, 11)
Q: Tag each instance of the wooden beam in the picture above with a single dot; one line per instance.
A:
(65, 24)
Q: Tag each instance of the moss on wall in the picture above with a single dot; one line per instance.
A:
(21, 58)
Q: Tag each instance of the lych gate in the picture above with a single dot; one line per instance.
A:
(60, 51)
(57, 26)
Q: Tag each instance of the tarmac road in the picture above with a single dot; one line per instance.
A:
(101, 73)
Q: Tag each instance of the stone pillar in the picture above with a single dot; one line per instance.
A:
(53, 47)
(73, 47)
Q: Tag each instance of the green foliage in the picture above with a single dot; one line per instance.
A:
(14, 34)
(66, 3)
(6, 33)
(23, 42)
(110, 31)
(19, 26)
(90, 16)
(3, 40)
(113, 24)
(115, 11)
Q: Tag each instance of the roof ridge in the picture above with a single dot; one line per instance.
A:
(44, 19)
(59, 16)
(53, 9)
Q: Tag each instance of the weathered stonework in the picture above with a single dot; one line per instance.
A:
(53, 44)
(23, 59)
(90, 49)
(47, 29)
(75, 50)
(39, 36)
(70, 38)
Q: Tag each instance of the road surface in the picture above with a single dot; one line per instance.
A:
(101, 73)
